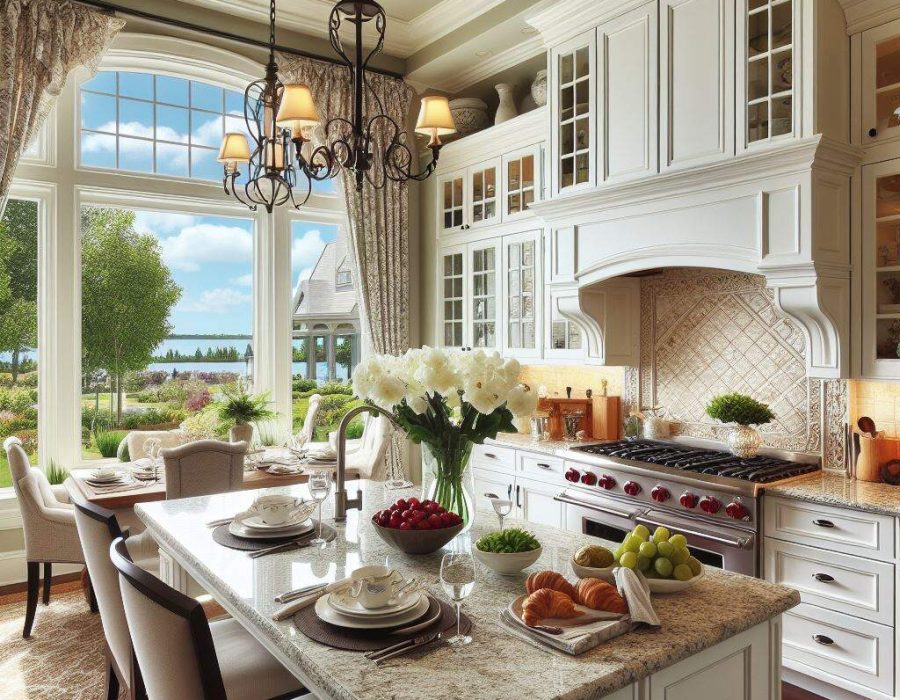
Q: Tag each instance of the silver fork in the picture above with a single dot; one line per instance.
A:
(291, 544)
(417, 643)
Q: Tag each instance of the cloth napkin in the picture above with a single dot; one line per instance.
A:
(633, 587)
(290, 609)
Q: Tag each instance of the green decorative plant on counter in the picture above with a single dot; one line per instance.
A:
(508, 541)
(744, 412)
(448, 401)
(239, 408)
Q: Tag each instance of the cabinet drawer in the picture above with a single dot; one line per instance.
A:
(840, 582)
(538, 466)
(848, 648)
(494, 457)
(837, 529)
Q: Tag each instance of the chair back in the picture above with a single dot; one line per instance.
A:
(203, 468)
(309, 422)
(368, 460)
(97, 528)
(167, 438)
(171, 636)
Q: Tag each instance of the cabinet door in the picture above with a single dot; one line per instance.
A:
(452, 286)
(696, 81)
(483, 190)
(627, 86)
(522, 181)
(534, 503)
(766, 46)
(522, 294)
(881, 82)
(451, 202)
(881, 270)
(484, 294)
(487, 481)
(573, 109)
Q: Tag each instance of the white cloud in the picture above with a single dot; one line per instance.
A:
(160, 222)
(203, 243)
(243, 280)
(305, 250)
(215, 301)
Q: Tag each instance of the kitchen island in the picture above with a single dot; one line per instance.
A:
(720, 638)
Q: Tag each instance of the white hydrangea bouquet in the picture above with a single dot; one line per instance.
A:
(447, 400)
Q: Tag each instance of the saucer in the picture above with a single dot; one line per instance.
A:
(328, 614)
(346, 605)
(237, 529)
(254, 521)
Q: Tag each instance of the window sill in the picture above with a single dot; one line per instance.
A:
(10, 517)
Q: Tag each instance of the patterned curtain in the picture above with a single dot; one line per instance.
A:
(379, 218)
(41, 41)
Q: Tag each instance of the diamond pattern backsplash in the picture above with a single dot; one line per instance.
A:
(705, 332)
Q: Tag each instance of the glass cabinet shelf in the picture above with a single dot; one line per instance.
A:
(770, 72)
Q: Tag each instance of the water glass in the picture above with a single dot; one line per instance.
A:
(458, 581)
(152, 448)
(502, 507)
(319, 487)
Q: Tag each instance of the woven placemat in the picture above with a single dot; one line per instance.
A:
(369, 640)
(222, 536)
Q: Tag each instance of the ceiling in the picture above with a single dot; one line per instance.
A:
(412, 24)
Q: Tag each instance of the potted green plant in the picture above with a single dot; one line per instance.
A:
(744, 412)
(239, 408)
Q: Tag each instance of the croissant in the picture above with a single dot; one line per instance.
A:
(599, 595)
(544, 603)
(549, 579)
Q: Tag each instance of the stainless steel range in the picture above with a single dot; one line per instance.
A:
(712, 497)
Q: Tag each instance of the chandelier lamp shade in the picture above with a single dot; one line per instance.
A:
(286, 148)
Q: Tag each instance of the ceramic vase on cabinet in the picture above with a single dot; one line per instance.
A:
(539, 88)
(744, 441)
(469, 114)
(241, 432)
(507, 108)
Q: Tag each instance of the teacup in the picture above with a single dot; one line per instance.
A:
(276, 509)
(374, 586)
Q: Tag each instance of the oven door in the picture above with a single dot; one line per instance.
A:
(594, 515)
(721, 546)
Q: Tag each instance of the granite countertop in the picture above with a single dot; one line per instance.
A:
(835, 489)
(523, 441)
(495, 665)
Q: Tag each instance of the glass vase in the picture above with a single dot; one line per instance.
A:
(447, 479)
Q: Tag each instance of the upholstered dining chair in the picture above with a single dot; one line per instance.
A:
(306, 433)
(136, 439)
(368, 459)
(48, 520)
(97, 528)
(183, 655)
(203, 468)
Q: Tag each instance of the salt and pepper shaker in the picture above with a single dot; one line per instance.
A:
(589, 393)
(568, 392)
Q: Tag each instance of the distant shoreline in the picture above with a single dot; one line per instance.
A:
(209, 336)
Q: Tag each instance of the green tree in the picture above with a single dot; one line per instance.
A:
(18, 268)
(127, 294)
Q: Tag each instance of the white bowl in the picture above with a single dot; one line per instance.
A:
(657, 585)
(606, 573)
(508, 564)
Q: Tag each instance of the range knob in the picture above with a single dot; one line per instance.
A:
(660, 494)
(606, 482)
(710, 505)
(632, 488)
(573, 475)
(688, 500)
(589, 478)
(737, 510)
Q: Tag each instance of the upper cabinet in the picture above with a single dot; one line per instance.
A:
(573, 113)
(451, 202)
(521, 181)
(484, 194)
(881, 82)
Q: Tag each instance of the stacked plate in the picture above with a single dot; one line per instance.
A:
(142, 470)
(105, 477)
(251, 525)
(412, 611)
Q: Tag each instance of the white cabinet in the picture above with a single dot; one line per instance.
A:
(696, 81)
(535, 503)
(880, 107)
(483, 192)
(522, 277)
(522, 181)
(452, 287)
(489, 481)
(627, 87)
(470, 288)
(452, 202)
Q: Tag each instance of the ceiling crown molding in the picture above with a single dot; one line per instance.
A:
(558, 21)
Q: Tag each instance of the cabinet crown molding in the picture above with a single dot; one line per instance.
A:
(559, 21)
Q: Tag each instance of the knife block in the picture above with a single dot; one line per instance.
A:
(557, 408)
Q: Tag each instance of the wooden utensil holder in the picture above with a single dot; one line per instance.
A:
(873, 453)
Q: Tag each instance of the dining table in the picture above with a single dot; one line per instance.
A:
(718, 610)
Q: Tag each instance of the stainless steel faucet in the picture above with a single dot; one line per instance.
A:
(342, 501)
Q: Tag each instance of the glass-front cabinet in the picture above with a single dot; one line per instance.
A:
(453, 292)
(452, 205)
(573, 113)
(470, 295)
(522, 277)
(766, 28)
(484, 194)
(881, 270)
(521, 181)
(881, 82)
(484, 261)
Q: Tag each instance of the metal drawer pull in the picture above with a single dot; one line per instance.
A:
(737, 542)
(518, 505)
(509, 491)
(823, 578)
(822, 639)
(542, 465)
(490, 454)
(823, 523)
(628, 515)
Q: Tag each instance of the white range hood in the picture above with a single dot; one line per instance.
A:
(783, 213)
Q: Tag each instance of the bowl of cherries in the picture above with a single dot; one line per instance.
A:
(417, 527)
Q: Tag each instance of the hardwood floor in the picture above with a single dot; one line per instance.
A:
(792, 692)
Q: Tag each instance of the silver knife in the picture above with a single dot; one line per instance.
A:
(292, 544)
(418, 644)
(288, 596)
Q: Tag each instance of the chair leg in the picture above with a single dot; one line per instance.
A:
(48, 576)
(112, 682)
(34, 580)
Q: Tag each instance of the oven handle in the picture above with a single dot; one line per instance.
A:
(628, 515)
(738, 542)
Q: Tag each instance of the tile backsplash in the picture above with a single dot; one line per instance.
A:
(878, 400)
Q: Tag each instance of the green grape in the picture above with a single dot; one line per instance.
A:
(642, 532)
(680, 556)
(643, 563)
(678, 541)
(648, 549)
(663, 567)
(620, 550)
(629, 560)
(661, 535)
(665, 549)
(632, 543)
(696, 566)
(683, 572)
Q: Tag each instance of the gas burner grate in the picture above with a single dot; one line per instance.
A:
(760, 469)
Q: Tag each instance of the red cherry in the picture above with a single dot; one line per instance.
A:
(407, 514)
(406, 525)
(413, 502)
(401, 503)
(441, 509)
(423, 525)
(431, 508)
(446, 519)
(394, 507)
(395, 521)
(435, 521)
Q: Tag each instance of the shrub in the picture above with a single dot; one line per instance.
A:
(122, 452)
(301, 384)
(198, 400)
(740, 409)
(29, 440)
(108, 442)
(5, 379)
(29, 380)
(355, 429)
(336, 388)
(204, 425)
(240, 406)
(55, 473)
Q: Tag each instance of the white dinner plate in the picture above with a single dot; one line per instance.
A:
(346, 605)
(253, 521)
(238, 530)
(328, 614)
(104, 476)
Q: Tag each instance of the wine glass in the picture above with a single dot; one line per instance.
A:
(152, 447)
(502, 507)
(458, 581)
(319, 488)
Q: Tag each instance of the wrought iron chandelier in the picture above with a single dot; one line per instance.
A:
(281, 159)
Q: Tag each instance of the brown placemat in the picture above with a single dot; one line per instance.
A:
(369, 640)
(222, 536)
